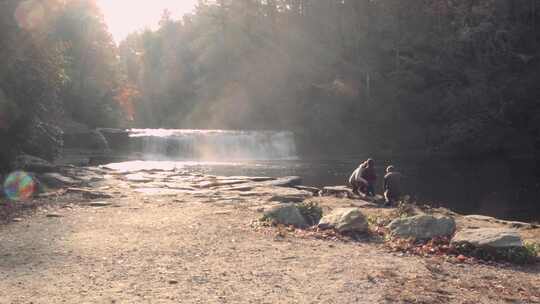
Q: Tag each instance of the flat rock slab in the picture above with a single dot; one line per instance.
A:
(142, 166)
(160, 191)
(138, 178)
(339, 191)
(220, 183)
(313, 190)
(239, 188)
(489, 237)
(513, 224)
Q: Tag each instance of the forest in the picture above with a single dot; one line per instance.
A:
(453, 78)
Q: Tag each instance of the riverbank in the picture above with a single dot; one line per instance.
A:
(168, 235)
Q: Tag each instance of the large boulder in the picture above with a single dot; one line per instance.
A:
(345, 220)
(489, 237)
(287, 214)
(422, 227)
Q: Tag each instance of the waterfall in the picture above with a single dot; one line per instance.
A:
(219, 145)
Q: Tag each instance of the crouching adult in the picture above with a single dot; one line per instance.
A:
(357, 182)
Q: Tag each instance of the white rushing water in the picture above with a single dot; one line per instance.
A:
(219, 145)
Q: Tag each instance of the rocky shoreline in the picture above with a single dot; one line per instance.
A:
(283, 196)
(273, 206)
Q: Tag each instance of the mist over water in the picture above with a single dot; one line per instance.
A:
(213, 145)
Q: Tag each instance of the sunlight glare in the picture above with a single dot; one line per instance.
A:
(126, 16)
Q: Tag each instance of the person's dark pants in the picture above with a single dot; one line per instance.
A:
(391, 197)
(370, 190)
(357, 187)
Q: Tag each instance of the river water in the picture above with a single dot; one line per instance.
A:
(507, 189)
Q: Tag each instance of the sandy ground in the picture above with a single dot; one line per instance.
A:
(187, 248)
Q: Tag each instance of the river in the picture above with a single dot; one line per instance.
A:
(508, 189)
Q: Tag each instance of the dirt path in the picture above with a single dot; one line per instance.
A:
(185, 249)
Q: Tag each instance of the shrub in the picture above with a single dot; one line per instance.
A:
(527, 254)
(311, 211)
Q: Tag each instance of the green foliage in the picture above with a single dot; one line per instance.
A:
(404, 209)
(311, 211)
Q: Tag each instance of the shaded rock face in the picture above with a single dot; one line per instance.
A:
(287, 214)
(489, 237)
(56, 180)
(345, 220)
(422, 227)
(32, 164)
(118, 139)
(90, 140)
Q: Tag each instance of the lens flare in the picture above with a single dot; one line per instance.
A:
(30, 14)
(19, 186)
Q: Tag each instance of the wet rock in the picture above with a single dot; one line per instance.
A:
(239, 188)
(57, 180)
(287, 214)
(345, 220)
(422, 227)
(315, 191)
(260, 178)
(251, 193)
(489, 237)
(32, 164)
(99, 204)
(216, 183)
(289, 181)
(298, 197)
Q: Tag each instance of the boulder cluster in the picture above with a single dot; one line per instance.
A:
(420, 227)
